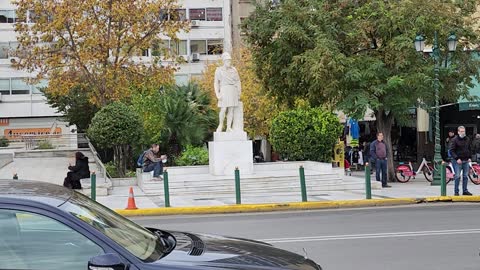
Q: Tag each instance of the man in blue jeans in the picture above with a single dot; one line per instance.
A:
(151, 162)
(461, 157)
(379, 153)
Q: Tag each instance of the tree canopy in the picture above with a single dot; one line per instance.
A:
(119, 127)
(94, 44)
(357, 54)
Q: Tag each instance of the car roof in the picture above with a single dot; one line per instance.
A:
(37, 191)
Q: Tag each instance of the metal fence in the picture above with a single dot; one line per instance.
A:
(51, 141)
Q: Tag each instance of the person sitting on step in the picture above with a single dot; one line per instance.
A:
(151, 162)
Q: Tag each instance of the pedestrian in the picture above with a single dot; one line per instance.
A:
(379, 153)
(152, 162)
(451, 135)
(461, 153)
(476, 148)
(77, 172)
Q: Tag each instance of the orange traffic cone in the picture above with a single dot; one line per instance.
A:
(131, 201)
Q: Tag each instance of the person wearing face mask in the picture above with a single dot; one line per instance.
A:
(461, 157)
(151, 162)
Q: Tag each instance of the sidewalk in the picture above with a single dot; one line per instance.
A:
(416, 188)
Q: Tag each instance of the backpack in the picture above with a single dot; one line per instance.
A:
(140, 159)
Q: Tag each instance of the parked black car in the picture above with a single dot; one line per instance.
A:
(44, 226)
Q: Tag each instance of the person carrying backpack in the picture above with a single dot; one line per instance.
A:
(151, 162)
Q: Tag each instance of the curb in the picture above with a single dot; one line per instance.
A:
(250, 208)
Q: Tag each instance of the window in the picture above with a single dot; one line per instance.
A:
(4, 48)
(20, 87)
(32, 241)
(179, 15)
(163, 15)
(7, 16)
(214, 14)
(198, 46)
(215, 46)
(179, 47)
(32, 18)
(197, 14)
(139, 241)
(159, 47)
(40, 84)
(5, 86)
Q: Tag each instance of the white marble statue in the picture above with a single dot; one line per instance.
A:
(228, 89)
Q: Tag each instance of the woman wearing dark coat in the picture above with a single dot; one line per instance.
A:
(77, 172)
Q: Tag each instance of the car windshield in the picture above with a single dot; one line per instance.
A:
(137, 240)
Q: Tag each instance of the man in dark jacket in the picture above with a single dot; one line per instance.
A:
(379, 153)
(77, 172)
(461, 153)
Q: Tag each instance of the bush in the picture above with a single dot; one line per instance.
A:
(111, 169)
(131, 174)
(193, 156)
(116, 126)
(305, 134)
(45, 144)
(4, 142)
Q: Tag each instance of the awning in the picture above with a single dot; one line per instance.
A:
(369, 116)
(466, 105)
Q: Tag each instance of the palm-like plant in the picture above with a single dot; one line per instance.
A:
(188, 117)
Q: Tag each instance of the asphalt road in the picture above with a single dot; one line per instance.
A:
(440, 236)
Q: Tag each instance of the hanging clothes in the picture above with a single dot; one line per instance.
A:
(354, 128)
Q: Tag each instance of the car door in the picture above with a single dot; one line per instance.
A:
(30, 240)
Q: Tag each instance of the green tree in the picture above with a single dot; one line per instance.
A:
(353, 55)
(74, 106)
(189, 119)
(305, 134)
(176, 116)
(116, 126)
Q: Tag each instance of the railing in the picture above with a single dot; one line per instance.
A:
(49, 141)
(98, 160)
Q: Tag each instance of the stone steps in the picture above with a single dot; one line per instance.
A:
(285, 186)
(268, 178)
(254, 183)
(311, 191)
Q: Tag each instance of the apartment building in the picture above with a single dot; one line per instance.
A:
(210, 35)
(23, 108)
(241, 9)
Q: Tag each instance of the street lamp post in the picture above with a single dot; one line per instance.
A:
(420, 46)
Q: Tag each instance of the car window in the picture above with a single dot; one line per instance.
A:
(32, 241)
(137, 240)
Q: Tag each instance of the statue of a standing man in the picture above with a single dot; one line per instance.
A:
(227, 89)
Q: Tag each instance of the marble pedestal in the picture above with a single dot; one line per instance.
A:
(228, 151)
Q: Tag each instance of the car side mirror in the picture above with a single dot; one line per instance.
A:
(106, 262)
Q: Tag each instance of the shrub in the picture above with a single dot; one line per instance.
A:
(4, 142)
(116, 126)
(305, 134)
(111, 169)
(45, 144)
(193, 156)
